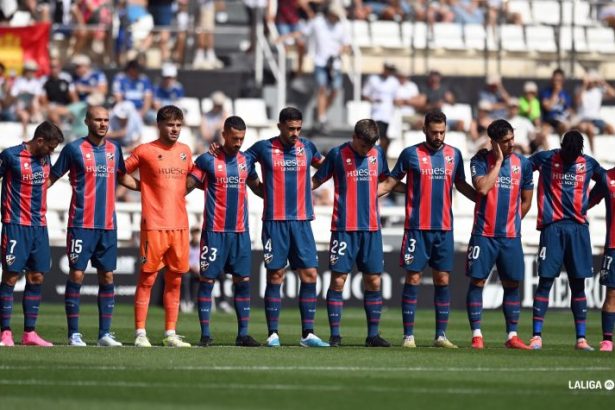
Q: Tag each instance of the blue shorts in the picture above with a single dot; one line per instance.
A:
(607, 271)
(505, 253)
(323, 80)
(565, 242)
(25, 248)
(162, 14)
(420, 247)
(362, 247)
(96, 245)
(291, 241)
(225, 252)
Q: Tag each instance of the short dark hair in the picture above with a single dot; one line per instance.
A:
(572, 146)
(88, 112)
(169, 112)
(558, 71)
(290, 114)
(498, 129)
(48, 131)
(132, 64)
(367, 130)
(435, 117)
(234, 122)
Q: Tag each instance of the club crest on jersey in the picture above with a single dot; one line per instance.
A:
(143, 260)
(333, 259)
(243, 167)
(449, 159)
(299, 151)
(372, 160)
(183, 156)
(580, 167)
(73, 257)
(43, 162)
(110, 156)
(10, 259)
(268, 258)
(204, 266)
(515, 169)
(408, 258)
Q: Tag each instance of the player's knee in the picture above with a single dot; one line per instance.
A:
(147, 279)
(207, 280)
(10, 278)
(241, 279)
(413, 278)
(372, 282)
(337, 281)
(510, 284)
(308, 275)
(35, 278)
(441, 278)
(478, 282)
(105, 278)
(76, 276)
(275, 277)
(609, 301)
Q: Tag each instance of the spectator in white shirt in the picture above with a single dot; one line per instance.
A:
(408, 99)
(588, 100)
(25, 95)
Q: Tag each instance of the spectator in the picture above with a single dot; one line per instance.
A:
(6, 83)
(588, 100)
(125, 125)
(528, 139)
(529, 105)
(87, 80)
(496, 95)
(436, 96)
(131, 85)
(331, 38)
(478, 128)
(88, 13)
(288, 20)
(169, 90)
(162, 12)
(396, 10)
(556, 105)
(408, 99)
(25, 95)
(205, 56)
(213, 121)
(468, 11)
(433, 12)
(59, 93)
(256, 15)
(381, 90)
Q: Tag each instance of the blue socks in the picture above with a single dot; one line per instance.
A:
(442, 301)
(273, 304)
(307, 306)
(335, 304)
(541, 304)
(512, 308)
(408, 307)
(241, 300)
(106, 303)
(71, 305)
(372, 302)
(474, 305)
(204, 305)
(608, 320)
(6, 305)
(578, 305)
(31, 303)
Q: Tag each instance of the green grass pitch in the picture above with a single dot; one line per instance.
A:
(351, 377)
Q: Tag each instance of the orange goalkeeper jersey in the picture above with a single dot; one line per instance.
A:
(163, 171)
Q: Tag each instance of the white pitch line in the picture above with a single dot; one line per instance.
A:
(278, 387)
(258, 368)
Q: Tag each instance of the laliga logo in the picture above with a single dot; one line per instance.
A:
(424, 159)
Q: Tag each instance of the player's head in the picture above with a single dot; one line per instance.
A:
(502, 133)
(233, 132)
(97, 121)
(365, 136)
(290, 122)
(169, 120)
(46, 138)
(434, 128)
(572, 146)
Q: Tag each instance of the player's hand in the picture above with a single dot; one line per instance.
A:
(497, 151)
(214, 148)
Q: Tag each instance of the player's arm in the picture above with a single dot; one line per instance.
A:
(526, 201)
(129, 182)
(256, 186)
(60, 167)
(596, 195)
(484, 183)
(466, 189)
(390, 184)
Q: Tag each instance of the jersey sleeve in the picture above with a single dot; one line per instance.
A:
(460, 173)
(252, 153)
(598, 191)
(384, 171)
(4, 162)
(326, 170)
(62, 164)
(598, 170)
(478, 166)
(251, 168)
(402, 165)
(316, 155)
(132, 163)
(527, 182)
(538, 159)
(198, 170)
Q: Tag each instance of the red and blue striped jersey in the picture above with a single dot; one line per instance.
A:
(92, 171)
(224, 184)
(498, 214)
(430, 176)
(356, 180)
(286, 178)
(605, 188)
(24, 186)
(563, 190)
